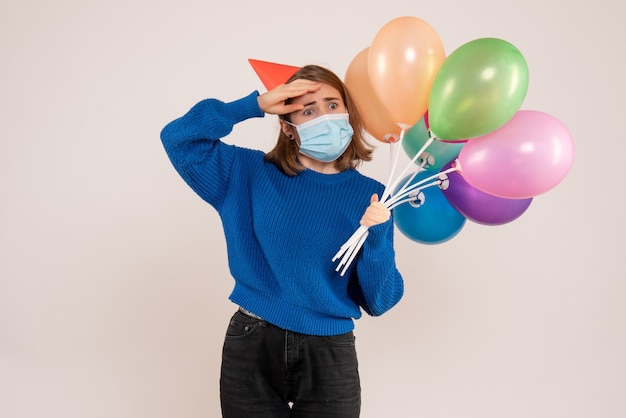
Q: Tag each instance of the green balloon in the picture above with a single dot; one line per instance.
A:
(437, 153)
(478, 88)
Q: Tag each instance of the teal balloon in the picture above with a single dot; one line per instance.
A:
(437, 153)
(430, 219)
(478, 88)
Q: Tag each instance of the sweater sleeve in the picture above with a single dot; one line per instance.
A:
(192, 144)
(380, 284)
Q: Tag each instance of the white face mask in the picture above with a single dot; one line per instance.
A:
(325, 138)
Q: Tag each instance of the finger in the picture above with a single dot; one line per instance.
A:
(301, 87)
(374, 198)
(290, 108)
(304, 82)
(380, 211)
(295, 88)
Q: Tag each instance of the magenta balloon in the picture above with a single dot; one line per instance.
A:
(529, 155)
(481, 207)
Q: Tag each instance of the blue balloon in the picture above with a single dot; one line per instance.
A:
(428, 218)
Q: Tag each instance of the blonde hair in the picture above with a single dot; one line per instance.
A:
(285, 153)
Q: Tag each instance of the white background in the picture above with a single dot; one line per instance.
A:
(113, 275)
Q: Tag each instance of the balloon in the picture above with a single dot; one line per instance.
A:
(528, 156)
(479, 206)
(436, 154)
(430, 219)
(403, 59)
(376, 118)
(478, 88)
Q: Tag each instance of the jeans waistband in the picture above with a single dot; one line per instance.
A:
(250, 314)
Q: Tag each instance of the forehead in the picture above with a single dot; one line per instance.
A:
(325, 92)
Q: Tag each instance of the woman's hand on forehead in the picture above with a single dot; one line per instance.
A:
(273, 101)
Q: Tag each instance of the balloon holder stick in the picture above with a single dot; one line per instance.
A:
(390, 198)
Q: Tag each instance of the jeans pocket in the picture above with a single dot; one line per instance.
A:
(341, 340)
(241, 326)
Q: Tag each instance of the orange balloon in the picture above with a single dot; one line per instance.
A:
(403, 59)
(376, 118)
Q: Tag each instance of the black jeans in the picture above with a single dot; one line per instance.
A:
(269, 372)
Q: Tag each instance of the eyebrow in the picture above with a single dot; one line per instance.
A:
(326, 99)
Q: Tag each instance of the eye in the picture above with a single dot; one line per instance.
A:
(307, 112)
(333, 105)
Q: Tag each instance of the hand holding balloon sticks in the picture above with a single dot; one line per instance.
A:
(392, 197)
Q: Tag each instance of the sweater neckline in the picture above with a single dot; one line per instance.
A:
(328, 178)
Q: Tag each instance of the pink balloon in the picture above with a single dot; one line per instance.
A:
(529, 155)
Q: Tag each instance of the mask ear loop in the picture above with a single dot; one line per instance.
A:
(289, 135)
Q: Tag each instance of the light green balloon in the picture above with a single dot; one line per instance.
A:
(478, 88)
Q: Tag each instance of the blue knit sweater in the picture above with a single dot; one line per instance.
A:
(283, 231)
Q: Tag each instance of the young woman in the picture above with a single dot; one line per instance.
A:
(289, 350)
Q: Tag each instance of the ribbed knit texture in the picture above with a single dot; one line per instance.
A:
(282, 231)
